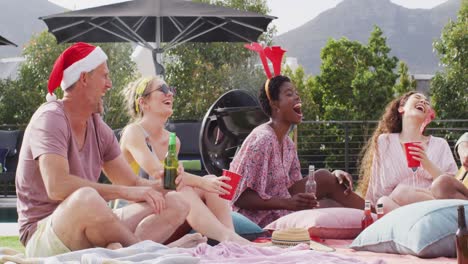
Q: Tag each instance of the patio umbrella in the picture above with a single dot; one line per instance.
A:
(4, 41)
(172, 22)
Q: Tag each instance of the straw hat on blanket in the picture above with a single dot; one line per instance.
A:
(294, 236)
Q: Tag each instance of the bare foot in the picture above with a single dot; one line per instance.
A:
(189, 241)
(238, 239)
(114, 246)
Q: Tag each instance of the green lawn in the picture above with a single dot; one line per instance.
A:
(11, 242)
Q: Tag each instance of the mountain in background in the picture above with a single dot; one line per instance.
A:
(409, 32)
(19, 20)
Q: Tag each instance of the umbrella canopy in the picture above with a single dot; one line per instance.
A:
(170, 21)
(4, 41)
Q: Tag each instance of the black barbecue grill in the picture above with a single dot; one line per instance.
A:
(225, 126)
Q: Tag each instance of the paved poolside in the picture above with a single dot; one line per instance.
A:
(9, 229)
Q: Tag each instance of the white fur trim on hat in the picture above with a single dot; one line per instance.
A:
(87, 64)
(51, 97)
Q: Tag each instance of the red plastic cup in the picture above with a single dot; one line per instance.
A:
(234, 181)
(412, 163)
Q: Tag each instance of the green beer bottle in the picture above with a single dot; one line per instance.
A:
(171, 164)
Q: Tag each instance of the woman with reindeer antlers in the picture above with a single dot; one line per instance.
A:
(272, 185)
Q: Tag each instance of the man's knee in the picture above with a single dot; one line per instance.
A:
(175, 201)
(443, 187)
(86, 198)
(83, 208)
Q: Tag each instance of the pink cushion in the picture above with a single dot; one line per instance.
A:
(327, 223)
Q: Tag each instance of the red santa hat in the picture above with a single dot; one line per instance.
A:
(78, 58)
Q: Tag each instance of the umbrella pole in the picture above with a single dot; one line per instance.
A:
(160, 71)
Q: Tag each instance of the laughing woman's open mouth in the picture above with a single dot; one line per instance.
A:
(297, 108)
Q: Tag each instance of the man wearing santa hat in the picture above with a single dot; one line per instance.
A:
(61, 207)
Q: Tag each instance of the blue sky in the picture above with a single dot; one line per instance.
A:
(290, 16)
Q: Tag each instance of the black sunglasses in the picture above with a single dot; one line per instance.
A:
(164, 89)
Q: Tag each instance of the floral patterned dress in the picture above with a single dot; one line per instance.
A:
(266, 171)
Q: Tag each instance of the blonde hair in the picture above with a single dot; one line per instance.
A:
(137, 89)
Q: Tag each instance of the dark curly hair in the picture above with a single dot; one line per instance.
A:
(391, 122)
(274, 90)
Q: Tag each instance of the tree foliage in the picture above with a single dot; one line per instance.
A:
(202, 72)
(356, 80)
(20, 98)
(405, 82)
(449, 88)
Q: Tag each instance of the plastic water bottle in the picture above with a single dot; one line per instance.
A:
(311, 185)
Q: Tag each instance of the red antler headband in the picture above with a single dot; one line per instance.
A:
(274, 54)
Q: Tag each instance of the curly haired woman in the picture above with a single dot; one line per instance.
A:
(385, 175)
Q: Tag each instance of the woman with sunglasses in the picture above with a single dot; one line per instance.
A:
(144, 144)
